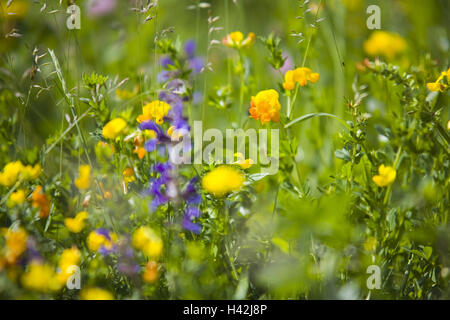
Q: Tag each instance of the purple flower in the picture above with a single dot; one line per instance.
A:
(189, 48)
(166, 61)
(196, 64)
(191, 226)
(164, 76)
(193, 212)
(100, 7)
(161, 137)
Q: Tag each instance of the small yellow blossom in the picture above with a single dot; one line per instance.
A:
(242, 162)
(223, 180)
(69, 258)
(17, 198)
(438, 85)
(146, 240)
(265, 106)
(77, 224)
(128, 176)
(155, 110)
(113, 128)
(95, 294)
(16, 244)
(40, 277)
(385, 177)
(300, 76)
(84, 181)
(382, 43)
(101, 239)
(236, 40)
(14, 171)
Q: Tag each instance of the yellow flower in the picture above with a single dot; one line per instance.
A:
(16, 198)
(16, 244)
(437, 85)
(385, 177)
(76, 224)
(150, 274)
(155, 110)
(96, 294)
(14, 171)
(300, 76)
(84, 181)
(40, 277)
(242, 162)
(265, 106)
(236, 40)
(113, 128)
(146, 240)
(128, 176)
(11, 173)
(101, 239)
(31, 173)
(382, 43)
(69, 258)
(223, 180)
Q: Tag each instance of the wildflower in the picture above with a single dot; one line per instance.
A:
(236, 40)
(84, 181)
(40, 277)
(159, 140)
(16, 198)
(265, 106)
(146, 240)
(113, 128)
(242, 162)
(14, 171)
(77, 224)
(438, 85)
(41, 201)
(195, 63)
(300, 76)
(386, 176)
(382, 43)
(150, 274)
(16, 244)
(155, 110)
(69, 258)
(190, 214)
(128, 176)
(11, 173)
(101, 240)
(140, 151)
(223, 180)
(95, 294)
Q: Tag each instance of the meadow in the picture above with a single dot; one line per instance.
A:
(345, 197)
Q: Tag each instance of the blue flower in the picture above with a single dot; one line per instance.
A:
(191, 226)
